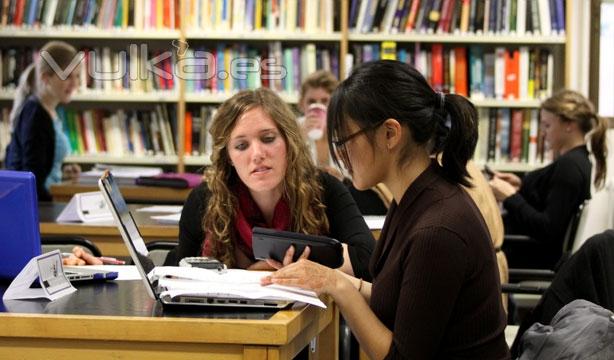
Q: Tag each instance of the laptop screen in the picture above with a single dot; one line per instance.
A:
(19, 229)
(127, 227)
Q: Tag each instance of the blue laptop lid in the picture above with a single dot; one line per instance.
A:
(19, 227)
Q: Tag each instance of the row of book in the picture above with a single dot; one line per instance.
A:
(520, 17)
(198, 140)
(229, 68)
(121, 132)
(309, 16)
(511, 136)
(101, 14)
(506, 135)
(475, 71)
(222, 68)
(135, 69)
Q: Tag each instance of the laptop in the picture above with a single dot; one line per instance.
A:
(19, 228)
(139, 253)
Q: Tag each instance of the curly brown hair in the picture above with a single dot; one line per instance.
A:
(301, 185)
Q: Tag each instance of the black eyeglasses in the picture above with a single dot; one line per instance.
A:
(340, 144)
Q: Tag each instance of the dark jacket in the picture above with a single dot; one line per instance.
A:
(346, 224)
(580, 330)
(587, 275)
(32, 146)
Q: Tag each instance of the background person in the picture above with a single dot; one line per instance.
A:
(38, 143)
(262, 175)
(542, 204)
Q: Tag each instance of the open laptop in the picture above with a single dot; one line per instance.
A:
(139, 253)
(19, 228)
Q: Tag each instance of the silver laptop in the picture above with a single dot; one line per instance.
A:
(138, 251)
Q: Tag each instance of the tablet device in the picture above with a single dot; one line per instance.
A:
(273, 244)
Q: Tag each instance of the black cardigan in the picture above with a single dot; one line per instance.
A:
(32, 146)
(546, 202)
(346, 224)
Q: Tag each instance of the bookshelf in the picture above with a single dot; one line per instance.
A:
(336, 34)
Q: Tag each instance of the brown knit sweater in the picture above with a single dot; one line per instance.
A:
(436, 283)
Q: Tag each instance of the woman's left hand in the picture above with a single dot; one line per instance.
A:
(501, 188)
(308, 275)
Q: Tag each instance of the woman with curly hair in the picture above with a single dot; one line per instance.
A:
(262, 175)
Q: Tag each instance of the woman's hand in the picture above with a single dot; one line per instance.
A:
(502, 189)
(308, 275)
(288, 257)
(81, 257)
(510, 178)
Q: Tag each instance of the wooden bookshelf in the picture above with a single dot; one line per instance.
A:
(343, 37)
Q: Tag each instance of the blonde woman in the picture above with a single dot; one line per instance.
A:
(262, 175)
(38, 143)
(542, 203)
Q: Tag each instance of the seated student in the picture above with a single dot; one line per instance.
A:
(262, 175)
(544, 201)
(316, 91)
(435, 291)
(38, 143)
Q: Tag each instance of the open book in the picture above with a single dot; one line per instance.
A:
(174, 281)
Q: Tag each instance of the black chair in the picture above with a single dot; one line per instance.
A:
(162, 252)
(66, 243)
(524, 284)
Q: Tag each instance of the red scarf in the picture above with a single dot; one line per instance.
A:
(249, 215)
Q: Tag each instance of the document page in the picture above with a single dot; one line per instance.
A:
(232, 282)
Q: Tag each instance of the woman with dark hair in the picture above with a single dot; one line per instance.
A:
(261, 174)
(38, 143)
(542, 204)
(435, 292)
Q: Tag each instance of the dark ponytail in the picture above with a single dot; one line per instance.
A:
(461, 140)
(387, 89)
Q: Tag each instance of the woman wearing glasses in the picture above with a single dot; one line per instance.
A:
(435, 291)
(262, 175)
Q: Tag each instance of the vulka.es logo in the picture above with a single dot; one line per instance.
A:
(65, 73)
(200, 65)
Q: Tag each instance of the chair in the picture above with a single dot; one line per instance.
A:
(526, 286)
(161, 252)
(66, 243)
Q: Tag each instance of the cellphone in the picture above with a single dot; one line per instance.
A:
(203, 262)
(273, 244)
(490, 172)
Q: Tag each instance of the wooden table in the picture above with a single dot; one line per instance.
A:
(63, 192)
(118, 320)
(105, 236)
